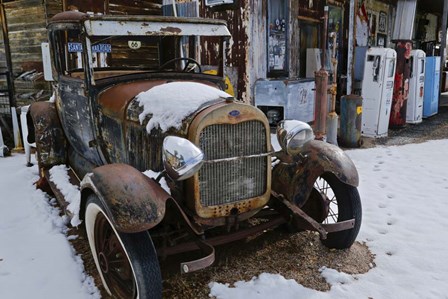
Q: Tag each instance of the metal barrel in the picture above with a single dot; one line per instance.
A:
(351, 117)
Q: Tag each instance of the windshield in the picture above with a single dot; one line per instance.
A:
(115, 55)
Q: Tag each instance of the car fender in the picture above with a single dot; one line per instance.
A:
(133, 201)
(295, 180)
(46, 130)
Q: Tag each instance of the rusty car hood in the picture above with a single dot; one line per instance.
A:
(115, 101)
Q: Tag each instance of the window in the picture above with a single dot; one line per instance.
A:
(277, 39)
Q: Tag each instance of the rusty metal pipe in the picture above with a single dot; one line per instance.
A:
(321, 79)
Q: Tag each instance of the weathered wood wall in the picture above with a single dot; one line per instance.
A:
(26, 22)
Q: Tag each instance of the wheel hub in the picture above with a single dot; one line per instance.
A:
(104, 263)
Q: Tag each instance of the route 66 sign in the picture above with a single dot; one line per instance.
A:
(134, 44)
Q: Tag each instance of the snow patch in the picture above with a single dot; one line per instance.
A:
(335, 277)
(264, 286)
(152, 174)
(59, 176)
(168, 104)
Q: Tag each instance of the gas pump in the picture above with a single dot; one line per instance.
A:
(414, 110)
(377, 90)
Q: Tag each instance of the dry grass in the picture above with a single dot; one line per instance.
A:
(298, 256)
(295, 256)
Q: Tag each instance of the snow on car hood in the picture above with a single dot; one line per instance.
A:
(168, 104)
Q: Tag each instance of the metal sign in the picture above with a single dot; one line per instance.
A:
(98, 48)
(134, 44)
(217, 2)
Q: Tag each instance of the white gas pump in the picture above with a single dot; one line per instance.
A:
(414, 110)
(377, 91)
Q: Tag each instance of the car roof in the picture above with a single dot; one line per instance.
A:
(140, 25)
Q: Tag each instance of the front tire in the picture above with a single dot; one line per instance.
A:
(333, 201)
(127, 263)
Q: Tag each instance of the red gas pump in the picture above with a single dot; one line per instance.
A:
(401, 85)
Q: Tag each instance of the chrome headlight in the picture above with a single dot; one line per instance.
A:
(292, 135)
(181, 158)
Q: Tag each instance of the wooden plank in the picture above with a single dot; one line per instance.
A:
(26, 26)
(17, 5)
(37, 35)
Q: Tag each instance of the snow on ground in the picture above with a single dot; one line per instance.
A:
(403, 191)
(36, 259)
(404, 195)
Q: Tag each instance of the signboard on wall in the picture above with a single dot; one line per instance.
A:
(217, 2)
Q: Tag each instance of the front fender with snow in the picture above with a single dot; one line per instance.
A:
(133, 201)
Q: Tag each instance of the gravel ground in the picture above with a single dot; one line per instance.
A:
(434, 127)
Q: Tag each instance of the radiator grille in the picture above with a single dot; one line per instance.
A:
(232, 181)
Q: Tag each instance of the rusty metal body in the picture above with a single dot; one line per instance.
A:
(96, 128)
(295, 177)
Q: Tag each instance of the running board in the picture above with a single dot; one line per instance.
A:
(58, 193)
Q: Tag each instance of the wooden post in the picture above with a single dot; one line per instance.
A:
(10, 79)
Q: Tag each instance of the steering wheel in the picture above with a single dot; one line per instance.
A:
(186, 68)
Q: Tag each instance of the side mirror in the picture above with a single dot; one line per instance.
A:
(292, 135)
(181, 158)
(46, 61)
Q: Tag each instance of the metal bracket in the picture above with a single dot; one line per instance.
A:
(201, 263)
(310, 223)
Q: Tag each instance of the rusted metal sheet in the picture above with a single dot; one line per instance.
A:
(295, 180)
(237, 18)
(49, 136)
(115, 100)
(75, 111)
(136, 203)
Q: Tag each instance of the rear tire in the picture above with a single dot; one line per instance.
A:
(342, 202)
(127, 263)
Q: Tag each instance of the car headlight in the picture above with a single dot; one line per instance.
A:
(292, 135)
(181, 158)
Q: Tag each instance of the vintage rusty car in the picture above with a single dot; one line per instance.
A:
(131, 96)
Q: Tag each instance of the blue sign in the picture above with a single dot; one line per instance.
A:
(102, 48)
(98, 48)
(234, 113)
(74, 47)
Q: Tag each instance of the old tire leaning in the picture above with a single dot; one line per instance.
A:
(344, 204)
(127, 263)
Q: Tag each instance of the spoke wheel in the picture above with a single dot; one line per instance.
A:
(113, 262)
(332, 201)
(127, 263)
